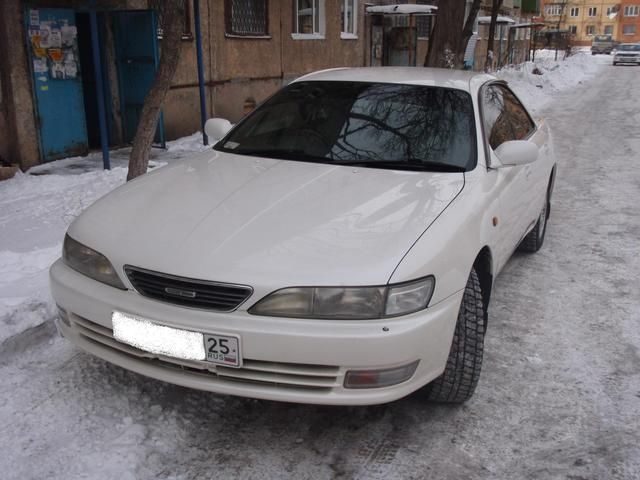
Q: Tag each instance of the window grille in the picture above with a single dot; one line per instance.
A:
(246, 17)
(423, 22)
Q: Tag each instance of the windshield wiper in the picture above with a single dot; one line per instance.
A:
(415, 166)
(282, 154)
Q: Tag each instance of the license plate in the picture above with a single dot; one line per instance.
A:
(222, 350)
(174, 342)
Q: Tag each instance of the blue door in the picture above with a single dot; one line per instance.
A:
(137, 58)
(55, 65)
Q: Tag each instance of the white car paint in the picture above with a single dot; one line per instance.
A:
(273, 224)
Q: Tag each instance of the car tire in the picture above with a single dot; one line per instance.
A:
(535, 238)
(460, 377)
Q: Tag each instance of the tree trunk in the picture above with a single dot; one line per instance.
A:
(495, 6)
(446, 48)
(467, 31)
(172, 26)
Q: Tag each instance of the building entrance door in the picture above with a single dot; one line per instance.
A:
(136, 35)
(52, 43)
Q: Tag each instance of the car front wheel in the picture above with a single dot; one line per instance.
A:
(460, 377)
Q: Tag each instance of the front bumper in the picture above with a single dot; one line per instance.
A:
(293, 360)
(627, 59)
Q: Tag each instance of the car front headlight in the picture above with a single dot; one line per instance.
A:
(90, 263)
(347, 303)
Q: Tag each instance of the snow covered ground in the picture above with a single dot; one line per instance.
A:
(560, 390)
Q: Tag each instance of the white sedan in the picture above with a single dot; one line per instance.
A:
(338, 246)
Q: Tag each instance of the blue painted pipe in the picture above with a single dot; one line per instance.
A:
(97, 67)
(203, 106)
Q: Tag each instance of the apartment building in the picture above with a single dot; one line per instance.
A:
(629, 19)
(585, 18)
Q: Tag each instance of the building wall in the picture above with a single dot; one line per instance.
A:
(599, 22)
(238, 69)
(18, 133)
(583, 21)
(629, 21)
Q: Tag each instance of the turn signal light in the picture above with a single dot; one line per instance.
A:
(379, 378)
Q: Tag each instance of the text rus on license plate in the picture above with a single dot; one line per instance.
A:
(223, 350)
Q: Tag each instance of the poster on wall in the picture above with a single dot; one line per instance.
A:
(55, 38)
(34, 17)
(54, 47)
(57, 70)
(40, 65)
(69, 34)
(45, 34)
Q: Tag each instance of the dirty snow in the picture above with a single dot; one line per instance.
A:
(537, 83)
(559, 394)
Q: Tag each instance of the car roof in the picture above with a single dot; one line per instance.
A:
(433, 77)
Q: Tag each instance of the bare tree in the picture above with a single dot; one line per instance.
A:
(467, 30)
(172, 13)
(449, 36)
(495, 7)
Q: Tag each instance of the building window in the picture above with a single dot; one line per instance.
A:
(593, 11)
(575, 11)
(573, 29)
(349, 13)
(591, 29)
(308, 18)
(631, 10)
(612, 10)
(423, 22)
(608, 29)
(628, 29)
(247, 18)
(158, 6)
(554, 10)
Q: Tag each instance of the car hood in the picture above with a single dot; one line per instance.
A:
(265, 222)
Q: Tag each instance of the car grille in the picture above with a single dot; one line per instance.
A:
(222, 297)
(317, 378)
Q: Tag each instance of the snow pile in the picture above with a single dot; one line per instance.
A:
(536, 83)
(37, 209)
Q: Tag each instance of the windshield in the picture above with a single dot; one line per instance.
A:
(356, 123)
(602, 38)
(629, 48)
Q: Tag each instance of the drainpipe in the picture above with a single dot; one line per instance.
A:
(203, 107)
(97, 68)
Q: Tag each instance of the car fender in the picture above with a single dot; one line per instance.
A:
(449, 247)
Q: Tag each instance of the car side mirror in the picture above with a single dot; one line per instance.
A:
(217, 128)
(517, 152)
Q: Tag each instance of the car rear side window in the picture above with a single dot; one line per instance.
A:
(504, 117)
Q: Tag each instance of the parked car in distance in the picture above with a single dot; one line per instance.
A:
(338, 246)
(602, 44)
(627, 53)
